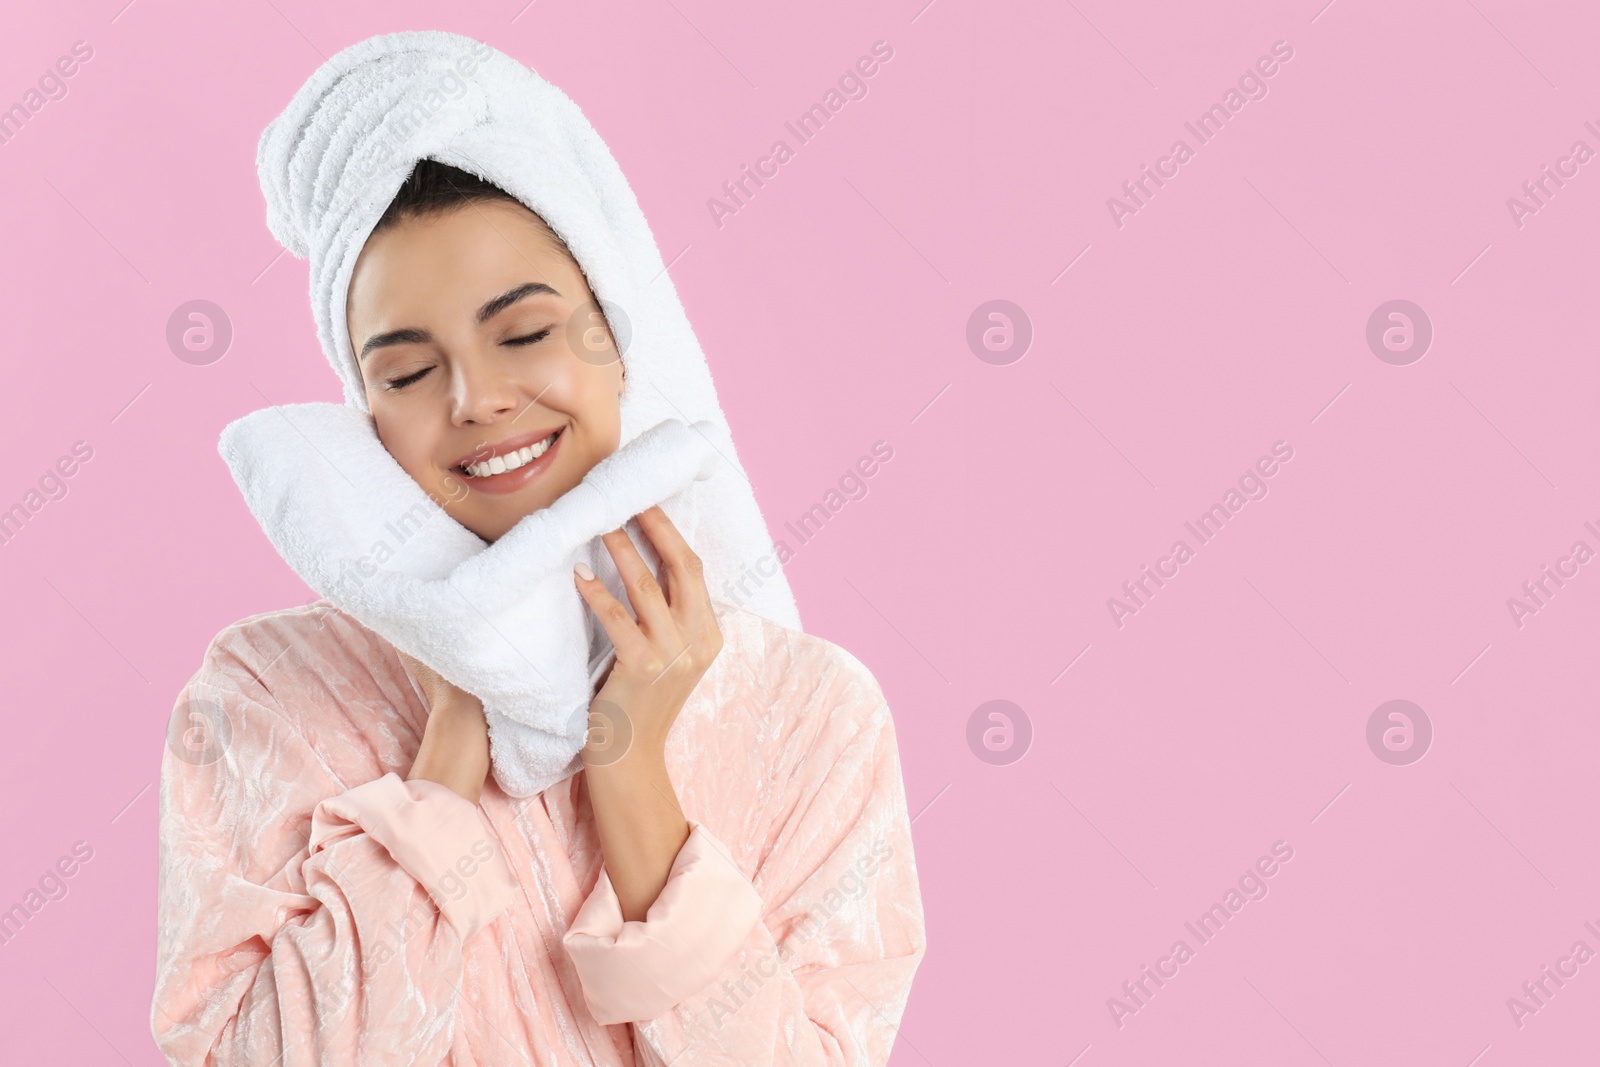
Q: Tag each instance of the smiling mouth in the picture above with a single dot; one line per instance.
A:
(510, 461)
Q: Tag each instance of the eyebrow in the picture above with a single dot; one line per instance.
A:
(411, 335)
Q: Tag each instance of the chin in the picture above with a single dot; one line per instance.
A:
(504, 517)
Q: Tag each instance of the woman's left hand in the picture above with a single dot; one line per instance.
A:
(661, 657)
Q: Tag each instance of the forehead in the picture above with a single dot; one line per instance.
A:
(466, 254)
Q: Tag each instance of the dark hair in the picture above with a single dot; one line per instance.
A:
(434, 188)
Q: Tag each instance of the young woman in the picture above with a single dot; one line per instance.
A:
(342, 881)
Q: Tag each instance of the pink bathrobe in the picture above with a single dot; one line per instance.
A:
(318, 909)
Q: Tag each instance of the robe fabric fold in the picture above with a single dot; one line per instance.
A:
(316, 909)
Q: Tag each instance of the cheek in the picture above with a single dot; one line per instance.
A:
(408, 448)
(586, 392)
(604, 413)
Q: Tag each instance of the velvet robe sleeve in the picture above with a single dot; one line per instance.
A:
(633, 969)
(302, 923)
(824, 975)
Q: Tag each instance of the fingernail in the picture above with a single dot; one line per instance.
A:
(584, 572)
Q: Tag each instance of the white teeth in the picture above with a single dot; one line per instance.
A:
(510, 461)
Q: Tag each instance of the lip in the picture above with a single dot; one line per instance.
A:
(484, 453)
(511, 481)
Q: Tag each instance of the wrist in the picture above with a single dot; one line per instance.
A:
(632, 757)
(466, 777)
(455, 748)
(465, 786)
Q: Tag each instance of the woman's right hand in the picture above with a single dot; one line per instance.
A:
(455, 742)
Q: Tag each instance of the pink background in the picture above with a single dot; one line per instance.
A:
(1226, 314)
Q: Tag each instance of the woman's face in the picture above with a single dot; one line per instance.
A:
(478, 339)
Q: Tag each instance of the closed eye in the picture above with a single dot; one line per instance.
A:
(396, 384)
(401, 383)
(532, 338)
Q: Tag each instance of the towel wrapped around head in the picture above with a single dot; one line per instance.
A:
(503, 621)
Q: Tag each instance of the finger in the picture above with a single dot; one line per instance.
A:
(649, 600)
(619, 625)
(682, 571)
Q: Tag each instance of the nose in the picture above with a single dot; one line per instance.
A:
(480, 392)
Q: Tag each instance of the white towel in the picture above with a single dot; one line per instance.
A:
(503, 621)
